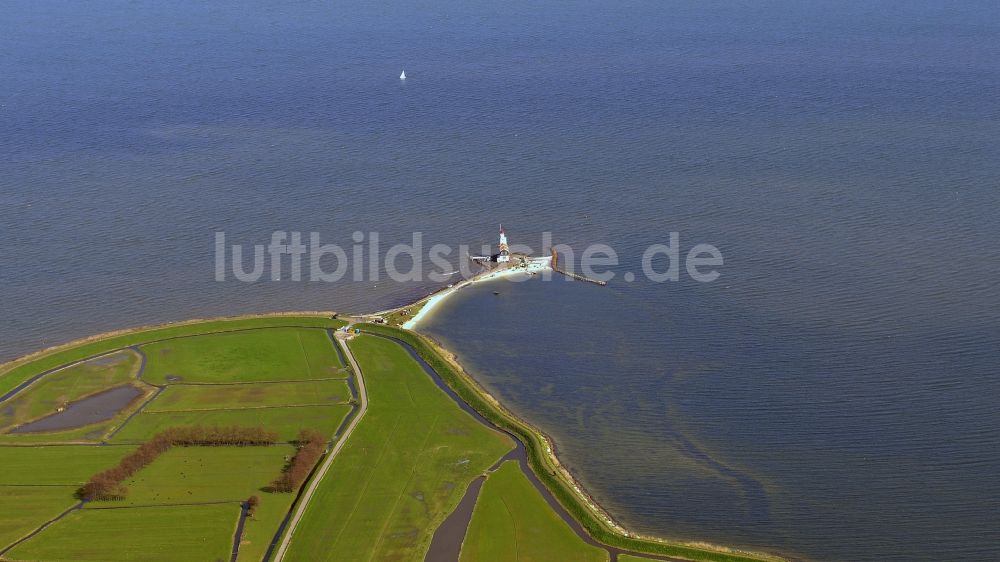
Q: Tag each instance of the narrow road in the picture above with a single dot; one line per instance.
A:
(341, 339)
(238, 537)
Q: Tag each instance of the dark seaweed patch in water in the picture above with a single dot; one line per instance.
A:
(97, 408)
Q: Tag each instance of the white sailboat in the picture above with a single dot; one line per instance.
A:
(402, 75)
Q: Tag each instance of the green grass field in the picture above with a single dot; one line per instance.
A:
(181, 397)
(38, 483)
(35, 506)
(69, 465)
(57, 389)
(259, 530)
(512, 522)
(402, 471)
(210, 474)
(279, 354)
(205, 474)
(16, 372)
(162, 533)
(287, 421)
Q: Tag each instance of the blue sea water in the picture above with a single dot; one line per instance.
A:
(832, 396)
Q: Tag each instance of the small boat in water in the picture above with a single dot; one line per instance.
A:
(402, 75)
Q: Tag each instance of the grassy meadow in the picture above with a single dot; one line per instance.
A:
(56, 465)
(187, 397)
(185, 504)
(33, 504)
(279, 354)
(511, 521)
(287, 421)
(20, 370)
(143, 534)
(205, 474)
(402, 471)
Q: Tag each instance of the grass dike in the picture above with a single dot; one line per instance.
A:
(546, 466)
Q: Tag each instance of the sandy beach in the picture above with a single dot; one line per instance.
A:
(535, 266)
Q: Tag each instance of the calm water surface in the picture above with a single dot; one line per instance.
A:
(832, 396)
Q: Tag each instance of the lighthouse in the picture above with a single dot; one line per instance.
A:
(504, 255)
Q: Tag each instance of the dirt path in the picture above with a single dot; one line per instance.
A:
(341, 339)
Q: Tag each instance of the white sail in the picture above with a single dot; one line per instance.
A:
(402, 75)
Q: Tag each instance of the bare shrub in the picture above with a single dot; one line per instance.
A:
(107, 485)
(311, 446)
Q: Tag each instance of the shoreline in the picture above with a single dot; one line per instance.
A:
(541, 447)
(574, 495)
(436, 298)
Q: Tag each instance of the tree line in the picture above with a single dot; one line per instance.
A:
(311, 446)
(108, 484)
(209, 436)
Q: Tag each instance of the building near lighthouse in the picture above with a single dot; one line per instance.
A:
(504, 261)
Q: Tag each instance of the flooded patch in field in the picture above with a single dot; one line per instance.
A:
(108, 360)
(447, 541)
(96, 408)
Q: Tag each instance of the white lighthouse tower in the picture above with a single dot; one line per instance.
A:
(504, 255)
